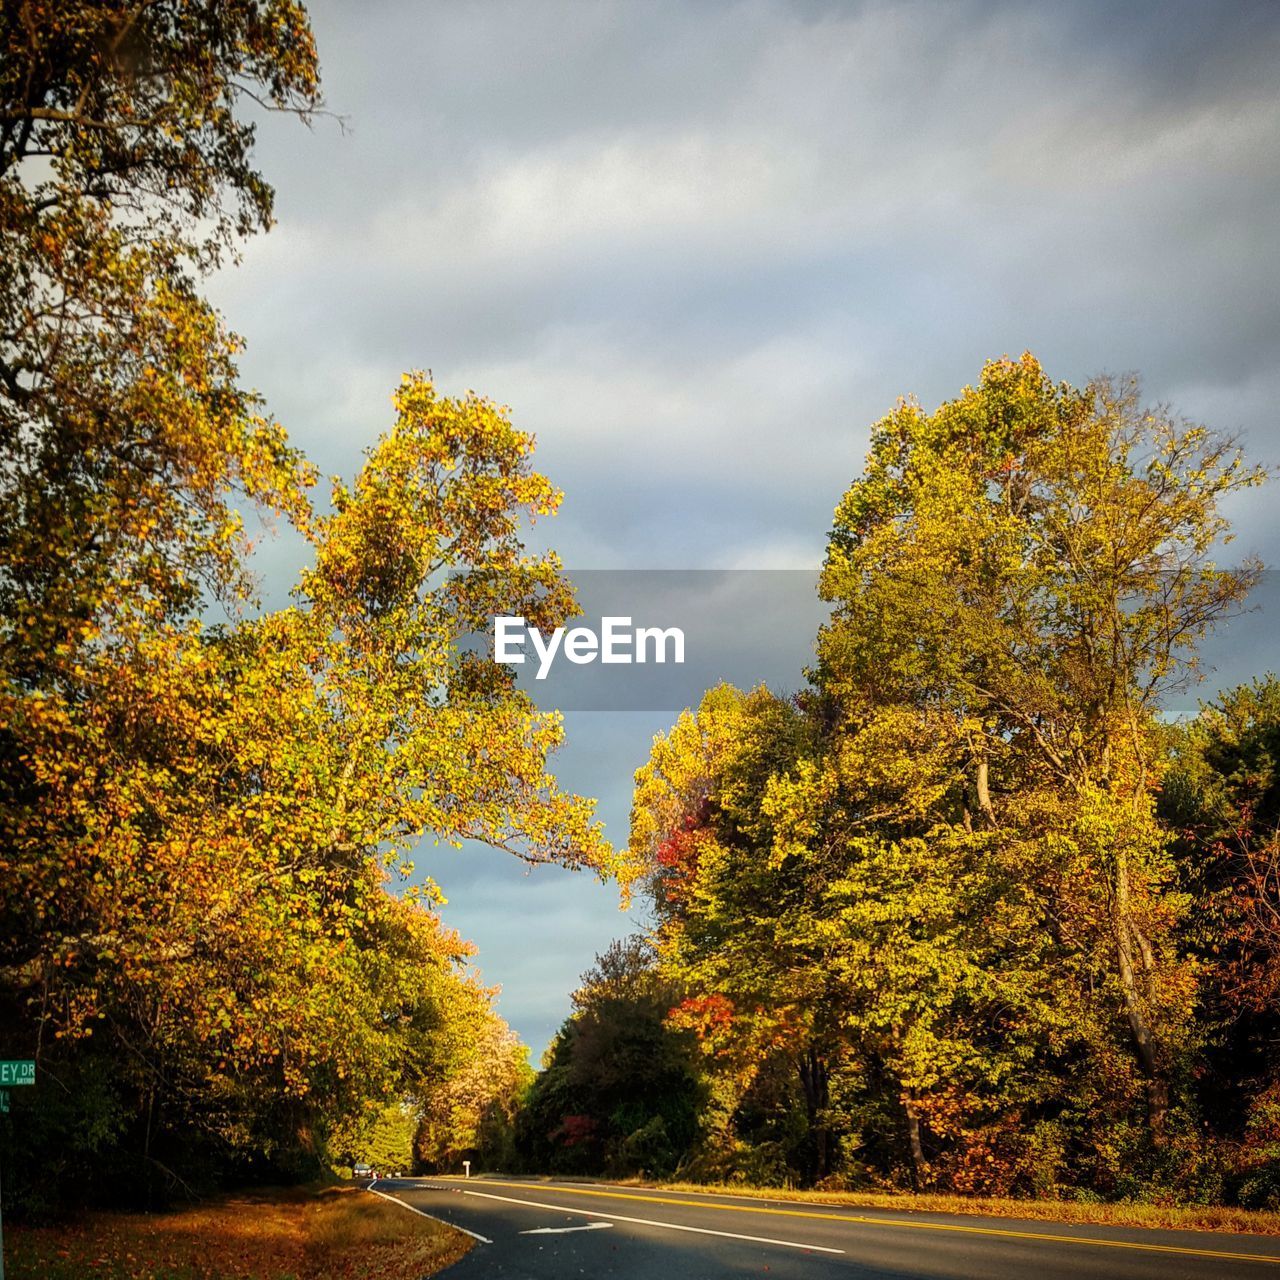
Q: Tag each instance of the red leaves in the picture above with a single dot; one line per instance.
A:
(678, 856)
(575, 1130)
(706, 1016)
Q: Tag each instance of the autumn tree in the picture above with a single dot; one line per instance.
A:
(469, 1112)
(126, 443)
(1033, 563)
(1221, 798)
(125, 439)
(620, 1091)
(823, 932)
(937, 881)
(735, 927)
(200, 824)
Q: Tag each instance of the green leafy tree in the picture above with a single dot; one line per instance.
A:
(389, 1145)
(620, 1091)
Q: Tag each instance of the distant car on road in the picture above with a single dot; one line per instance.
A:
(362, 1171)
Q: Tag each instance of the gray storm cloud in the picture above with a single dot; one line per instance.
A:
(700, 247)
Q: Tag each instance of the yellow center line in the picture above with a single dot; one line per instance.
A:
(1185, 1251)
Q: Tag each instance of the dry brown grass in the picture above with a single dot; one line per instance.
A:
(1068, 1211)
(340, 1233)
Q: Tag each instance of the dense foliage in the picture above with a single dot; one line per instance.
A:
(200, 823)
(967, 914)
(620, 1090)
(1222, 799)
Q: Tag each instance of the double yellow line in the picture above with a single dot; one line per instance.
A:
(1184, 1251)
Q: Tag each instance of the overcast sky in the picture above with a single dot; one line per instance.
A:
(700, 247)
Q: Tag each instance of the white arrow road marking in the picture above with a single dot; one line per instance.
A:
(650, 1222)
(404, 1204)
(564, 1231)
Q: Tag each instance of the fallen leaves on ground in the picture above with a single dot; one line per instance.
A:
(340, 1233)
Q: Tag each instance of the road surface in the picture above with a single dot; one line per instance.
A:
(540, 1229)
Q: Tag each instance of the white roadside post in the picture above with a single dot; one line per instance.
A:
(466, 1173)
(21, 1072)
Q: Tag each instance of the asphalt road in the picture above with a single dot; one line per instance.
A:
(535, 1229)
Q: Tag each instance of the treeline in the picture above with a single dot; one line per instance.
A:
(204, 943)
(967, 914)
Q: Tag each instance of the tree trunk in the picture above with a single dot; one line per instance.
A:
(1144, 1038)
(983, 787)
(919, 1167)
(815, 1081)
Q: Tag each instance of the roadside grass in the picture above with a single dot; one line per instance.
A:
(338, 1233)
(1124, 1214)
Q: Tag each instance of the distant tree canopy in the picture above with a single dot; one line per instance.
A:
(966, 914)
(469, 1113)
(620, 1091)
(198, 823)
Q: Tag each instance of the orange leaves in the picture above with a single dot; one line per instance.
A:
(678, 856)
(340, 1234)
(709, 1016)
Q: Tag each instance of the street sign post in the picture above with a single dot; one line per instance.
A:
(12, 1075)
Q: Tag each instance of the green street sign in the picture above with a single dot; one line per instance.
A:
(16, 1073)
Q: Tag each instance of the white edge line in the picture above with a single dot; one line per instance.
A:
(564, 1231)
(650, 1222)
(423, 1214)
